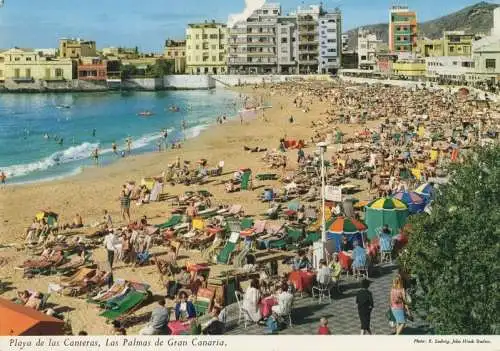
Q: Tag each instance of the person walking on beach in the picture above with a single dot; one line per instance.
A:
(364, 300)
(125, 202)
(111, 242)
(114, 148)
(95, 156)
(3, 178)
(165, 136)
(129, 144)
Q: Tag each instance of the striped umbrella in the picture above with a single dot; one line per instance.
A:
(387, 203)
(409, 197)
(346, 225)
(424, 189)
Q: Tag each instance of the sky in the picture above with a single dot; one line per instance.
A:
(147, 23)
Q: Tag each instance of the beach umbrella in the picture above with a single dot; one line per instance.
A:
(346, 225)
(414, 201)
(385, 211)
(425, 190)
(349, 227)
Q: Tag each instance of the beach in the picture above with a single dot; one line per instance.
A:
(96, 189)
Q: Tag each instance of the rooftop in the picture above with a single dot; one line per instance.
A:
(207, 24)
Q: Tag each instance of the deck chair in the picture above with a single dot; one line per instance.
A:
(266, 176)
(172, 221)
(293, 237)
(234, 225)
(259, 227)
(78, 277)
(225, 255)
(246, 181)
(131, 301)
(234, 210)
(246, 223)
(204, 301)
(311, 238)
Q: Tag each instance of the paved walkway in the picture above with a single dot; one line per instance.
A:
(342, 312)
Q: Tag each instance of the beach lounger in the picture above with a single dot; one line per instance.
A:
(293, 237)
(115, 289)
(208, 213)
(246, 223)
(204, 301)
(173, 221)
(129, 304)
(225, 255)
(311, 238)
(266, 176)
(246, 181)
(78, 277)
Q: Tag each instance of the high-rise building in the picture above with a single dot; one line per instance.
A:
(252, 42)
(206, 48)
(266, 42)
(402, 30)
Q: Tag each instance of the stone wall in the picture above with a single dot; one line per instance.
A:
(143, 84)
(235, 80)
(188, 82)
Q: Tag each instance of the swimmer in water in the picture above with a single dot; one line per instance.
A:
(46, 136)
(93, 132)
(61, 141)
(114, 147)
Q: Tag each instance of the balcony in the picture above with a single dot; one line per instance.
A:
(261, 34)
(263, 54)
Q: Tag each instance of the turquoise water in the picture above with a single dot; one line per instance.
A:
(27, 155)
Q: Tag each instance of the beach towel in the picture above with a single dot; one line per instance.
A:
(156, 191)
(132, 300)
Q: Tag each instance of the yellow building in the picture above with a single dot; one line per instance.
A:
(410, 69)
(76, 48)
(175, 50)
(2, 66)
(453, 43)
(206, 48)
(28, 65)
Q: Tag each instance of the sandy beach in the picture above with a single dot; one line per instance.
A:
(96, 189)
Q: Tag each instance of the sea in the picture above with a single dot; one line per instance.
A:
(32, 126)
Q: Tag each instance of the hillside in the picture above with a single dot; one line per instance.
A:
(477, 18)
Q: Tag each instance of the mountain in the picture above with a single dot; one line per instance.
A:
(477, 18)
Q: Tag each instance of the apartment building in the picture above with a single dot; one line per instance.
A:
(206, 48)
(2, 65)
(330, 42)
(253, 42)
(268, 42)
(175, 50)
(76, 48)
(402, 30)
(449, 68)
(452, 43)
(368, 44)
(27, 65)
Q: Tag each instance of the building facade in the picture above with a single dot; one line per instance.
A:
(453, 43)
(402, 30)
(414, 70)
(449, 68)
(76, 48)
(253, 43)
(175, 50)
(304, 42)
(27, 65)
(92, 69)
(206, 48)
(368, 44)
(330, 42)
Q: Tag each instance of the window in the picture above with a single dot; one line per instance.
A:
(213, 36)
(205, 36)
(331, 21)
(17, 73)
(265, 12)
(452, 49)
(284, 30)
(197, 36)
(275, 12)
(331, 30)
(214, 47)
(28, 73)
(197, 47)
(284, 40)
(28, 58)
(17, 58)
(491, 63)
(363, 58)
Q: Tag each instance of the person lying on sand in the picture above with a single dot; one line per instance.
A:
(254, 149)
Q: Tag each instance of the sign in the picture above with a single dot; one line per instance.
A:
(333, 193)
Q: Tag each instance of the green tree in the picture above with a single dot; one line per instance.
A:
(454, 252)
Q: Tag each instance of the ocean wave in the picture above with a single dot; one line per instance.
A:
(71, 154)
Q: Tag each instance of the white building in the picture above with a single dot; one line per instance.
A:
(266, 42)
(50, 52)
(367, 49)
(345, 42)
(449, 68)
(486, 54)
